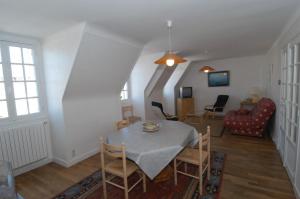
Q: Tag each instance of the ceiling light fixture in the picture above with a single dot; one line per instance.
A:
(206, 69)
(170, 58)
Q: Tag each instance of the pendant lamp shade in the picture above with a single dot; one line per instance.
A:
(170, 59)
(206, 69)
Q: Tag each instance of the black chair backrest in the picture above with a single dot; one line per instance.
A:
(221, 102)
(159, 105)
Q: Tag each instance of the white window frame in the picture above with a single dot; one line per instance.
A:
(125, 90)
(7, 40)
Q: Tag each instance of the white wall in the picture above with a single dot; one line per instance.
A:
(92, 97)
(59, 52)
(289, 34)
(169, 90)
(245, 72)
(154, 91)
(140, 77)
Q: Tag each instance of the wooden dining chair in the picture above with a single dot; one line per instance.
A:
(195, 156)
(122, 124)
(127, 113)
(119, 167)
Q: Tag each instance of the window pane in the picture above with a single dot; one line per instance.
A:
(1, 73)
(124, 95)
(30, 72)
(34, 106)
(2, 92)
(295, 136)
(21, 107)
(17, 72)
(31, 89)
(125, 87)
(0, 55)
(15, 55)
(27, 56)
(3, 109)
(19, 90)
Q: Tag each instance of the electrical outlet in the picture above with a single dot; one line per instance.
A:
(73, 153)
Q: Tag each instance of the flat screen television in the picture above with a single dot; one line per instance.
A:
(220, 78)
(186, 92)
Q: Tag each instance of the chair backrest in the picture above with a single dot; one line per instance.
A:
(122, 124)
(125, 110)
(112, 151)
(160, 106)
(221, 102)
(263, 110)
(204, 142)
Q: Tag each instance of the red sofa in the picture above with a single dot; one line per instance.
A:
(251, 123)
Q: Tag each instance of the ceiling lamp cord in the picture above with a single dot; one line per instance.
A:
(170, 40)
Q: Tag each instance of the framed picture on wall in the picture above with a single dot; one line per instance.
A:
(219, 78)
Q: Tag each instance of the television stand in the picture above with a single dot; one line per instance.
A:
(185, 106)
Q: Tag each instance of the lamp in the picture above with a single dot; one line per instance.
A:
(255, 94)
(170, 58)
(206, 69)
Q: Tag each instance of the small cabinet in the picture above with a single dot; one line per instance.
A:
(185, 106)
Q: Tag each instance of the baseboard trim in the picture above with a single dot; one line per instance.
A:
(61, 162)
(290, 174)
(75, 160)
(84, 156)
(293, 182)
(31, 166)
(275, 141)
(297, 192)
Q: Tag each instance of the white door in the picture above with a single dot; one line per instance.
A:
(282, 110)
(290, 106)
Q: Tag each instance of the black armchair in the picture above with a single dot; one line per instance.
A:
(166, 115)
(218, 106)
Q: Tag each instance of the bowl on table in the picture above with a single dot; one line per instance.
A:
(150, 127)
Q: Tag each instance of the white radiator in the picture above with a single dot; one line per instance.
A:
(24, 144)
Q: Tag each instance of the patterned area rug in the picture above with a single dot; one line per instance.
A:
(187, 188)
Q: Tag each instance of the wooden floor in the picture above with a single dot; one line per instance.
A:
(253, 170)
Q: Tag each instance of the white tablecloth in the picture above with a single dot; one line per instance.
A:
(154, 151)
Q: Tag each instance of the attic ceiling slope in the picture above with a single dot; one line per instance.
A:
(224, 28)
(102, 66)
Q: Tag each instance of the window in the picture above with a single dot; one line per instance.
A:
(19, 93)
(124, 92)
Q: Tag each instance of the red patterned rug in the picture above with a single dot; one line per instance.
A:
(187, 188)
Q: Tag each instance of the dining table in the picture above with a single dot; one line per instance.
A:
(152, 152)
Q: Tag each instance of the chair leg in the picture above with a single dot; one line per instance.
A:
(200, 179)
(144, 183)
(208, 168)
(175, 171)
(104, 184)
(206, 115)
(125, 187)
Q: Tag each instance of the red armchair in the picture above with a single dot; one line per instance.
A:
(251, 123)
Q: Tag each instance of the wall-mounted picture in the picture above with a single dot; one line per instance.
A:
(220, 78)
